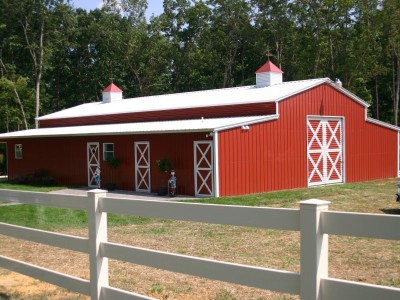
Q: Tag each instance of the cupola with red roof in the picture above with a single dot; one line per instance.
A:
(112, 93)
(268, 75)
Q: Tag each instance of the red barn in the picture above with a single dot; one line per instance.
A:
(271, 136)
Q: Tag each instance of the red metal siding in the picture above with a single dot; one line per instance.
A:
(273, 155)
(66, 159)
(179, 149)
(178, 114)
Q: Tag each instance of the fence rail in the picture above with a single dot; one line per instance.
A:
(313, 220)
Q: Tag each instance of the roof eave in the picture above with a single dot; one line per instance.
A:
(260, 120)
(348, 93)
(383, 124)
(106, 133)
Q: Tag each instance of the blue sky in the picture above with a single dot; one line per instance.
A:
(154, 6)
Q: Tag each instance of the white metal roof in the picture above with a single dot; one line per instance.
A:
(197, 125)
(208, 98)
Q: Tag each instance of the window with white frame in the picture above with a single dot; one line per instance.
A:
(108, 151)
(18, 151)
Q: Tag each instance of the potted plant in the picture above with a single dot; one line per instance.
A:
(113, 163)
(164, 166)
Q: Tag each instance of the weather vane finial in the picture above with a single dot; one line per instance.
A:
(268, 54)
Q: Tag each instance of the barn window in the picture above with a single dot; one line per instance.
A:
(108, 151)
(18, 151)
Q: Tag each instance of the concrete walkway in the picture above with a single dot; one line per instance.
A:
(123, 194)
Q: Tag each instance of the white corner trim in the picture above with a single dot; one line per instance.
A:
(216, 166)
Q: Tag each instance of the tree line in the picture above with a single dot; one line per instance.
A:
(54, 56)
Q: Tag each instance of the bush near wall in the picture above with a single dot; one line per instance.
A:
(39, 177)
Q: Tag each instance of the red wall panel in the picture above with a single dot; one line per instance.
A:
(66, 159)
(63, 158)
(177, 114)
(273, 155)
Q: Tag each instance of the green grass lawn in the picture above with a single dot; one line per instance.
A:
(24, 187)
(372, 197)
(48, 218)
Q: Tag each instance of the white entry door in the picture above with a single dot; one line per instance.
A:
(324, 150)
(142, 166)
(93, 159)
(203, 169)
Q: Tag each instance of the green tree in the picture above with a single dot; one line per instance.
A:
(16, 102)
(276, 35)
(31, 27)
(230, 25)
(391, 19)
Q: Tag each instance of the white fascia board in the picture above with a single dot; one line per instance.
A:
(181, 126)
(36, 133)
(366, 105)
(383, 124)
(306, 88)
(348, 93)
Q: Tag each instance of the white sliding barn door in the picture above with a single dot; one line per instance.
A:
(324, 150)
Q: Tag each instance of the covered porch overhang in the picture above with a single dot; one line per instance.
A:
(193, 125)
(210, 127)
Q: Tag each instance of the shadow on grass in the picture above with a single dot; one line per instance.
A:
(391, 211)
(4, 296)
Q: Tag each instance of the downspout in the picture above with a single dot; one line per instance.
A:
(216, 166)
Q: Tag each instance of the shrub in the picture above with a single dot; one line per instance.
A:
(21, 179)
(39, 177)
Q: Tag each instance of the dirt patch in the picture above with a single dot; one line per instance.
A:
(17, 286)
(363, 260)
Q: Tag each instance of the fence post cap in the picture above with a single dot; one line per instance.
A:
(314, 202)
(97, 191)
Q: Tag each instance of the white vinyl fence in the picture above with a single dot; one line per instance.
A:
(313, 220)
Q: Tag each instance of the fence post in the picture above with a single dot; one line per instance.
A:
(313, 249)
(97, 234)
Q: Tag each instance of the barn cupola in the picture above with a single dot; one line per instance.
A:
(268, 75)
(112, 93)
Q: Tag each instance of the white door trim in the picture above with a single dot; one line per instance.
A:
(325, 151)
(142, 167)
(203, 169)
(93, 162)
